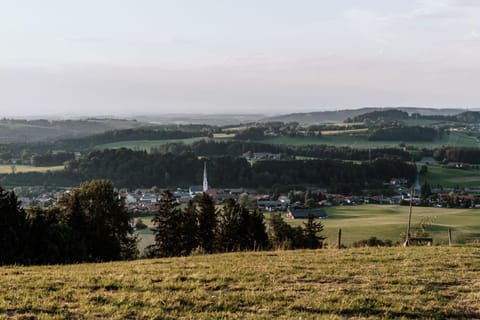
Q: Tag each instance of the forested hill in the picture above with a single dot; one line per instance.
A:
(342, 115)
(22, 131)
(134, 169)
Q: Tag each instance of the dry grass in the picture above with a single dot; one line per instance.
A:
(428, 282)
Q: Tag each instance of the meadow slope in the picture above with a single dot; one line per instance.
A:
(421, 282)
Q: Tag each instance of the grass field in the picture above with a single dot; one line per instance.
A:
(145, 144)
(448, 177)
(421, 282)
(384, 222)
(7, 168)
(457, 139)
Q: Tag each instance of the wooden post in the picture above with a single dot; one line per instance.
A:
(407, 238)
(449, 237)
(339, 240)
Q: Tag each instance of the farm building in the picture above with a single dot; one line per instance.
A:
(304, 213)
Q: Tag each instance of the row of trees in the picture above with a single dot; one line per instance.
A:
(449, 154)
(134, 169)
(209, 148)
(90, 223)
(401, 133)
(200, 226)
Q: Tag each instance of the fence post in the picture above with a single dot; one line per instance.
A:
(339, 240)
(449, 237)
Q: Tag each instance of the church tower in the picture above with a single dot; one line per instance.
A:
(205, 181)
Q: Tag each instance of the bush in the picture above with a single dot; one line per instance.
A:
(139, 224)
(373, 242)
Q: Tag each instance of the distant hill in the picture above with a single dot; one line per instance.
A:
(342, 115)
(22, 131)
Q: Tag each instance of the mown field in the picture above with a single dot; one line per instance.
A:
(357, 140)
(415, 282)
(7, 168)
(144, 144)
(451, 178)
(361, 222)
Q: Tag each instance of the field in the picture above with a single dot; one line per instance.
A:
(452, 177)
(421, 282)
(457, 139)
(7, 168)
(384, 222)
(144, 144)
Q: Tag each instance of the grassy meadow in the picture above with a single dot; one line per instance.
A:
(415, 282)
(7, 168)
(144, 144)
(452, 177)
(361, 222)
(359, 140)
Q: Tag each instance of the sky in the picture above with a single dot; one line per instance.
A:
(136, 57)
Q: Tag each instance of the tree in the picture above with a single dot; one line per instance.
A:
(207, 222)
(100, 221)
(311, 230)
(240, 229)
(425, 190)
(12, 224)
(168, 228)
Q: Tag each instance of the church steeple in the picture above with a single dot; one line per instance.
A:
(205, 181)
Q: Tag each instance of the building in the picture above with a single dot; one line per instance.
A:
(304, 213)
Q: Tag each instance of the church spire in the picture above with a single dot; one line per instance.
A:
(205, 181)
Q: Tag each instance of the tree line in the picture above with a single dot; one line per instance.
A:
(208, 148)
(402, 133)
(89, 224)
(450, 154)
(234, 227)
(136, 169)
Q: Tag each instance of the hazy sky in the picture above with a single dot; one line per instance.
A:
(272, 56)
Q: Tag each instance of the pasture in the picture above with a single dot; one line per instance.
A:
(414, 282)
(8, 168)
(146, 145)
(360, 222)
(453, 177)
(360, 140)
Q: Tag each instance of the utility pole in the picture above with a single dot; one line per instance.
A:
(407, 239)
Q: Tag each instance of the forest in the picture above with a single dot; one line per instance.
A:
(134, 169)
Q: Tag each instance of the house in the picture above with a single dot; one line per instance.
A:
(194, 190)
(304, 213)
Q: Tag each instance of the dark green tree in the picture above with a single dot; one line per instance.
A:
(311, 229)
(207, 223)
(100, 220)
(167, 228)
(425, 190)
(12, 228)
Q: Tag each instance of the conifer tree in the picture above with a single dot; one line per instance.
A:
(207, 223)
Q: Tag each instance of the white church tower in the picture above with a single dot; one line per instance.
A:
(205, 181)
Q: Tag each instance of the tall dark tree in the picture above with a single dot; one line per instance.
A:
(167, 228)
(12, 224)
(311, 231)
(228, 229)
(207, 223)
(108, 234)
(240, 229)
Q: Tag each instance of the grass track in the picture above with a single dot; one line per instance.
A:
(422, 282)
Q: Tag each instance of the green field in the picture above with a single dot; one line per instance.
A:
(406, 283)
(7, 168)
(457, 139)
(361, 222)
(452, 177)
(145, 144)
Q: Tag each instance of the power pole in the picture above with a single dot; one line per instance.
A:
(407, 239)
